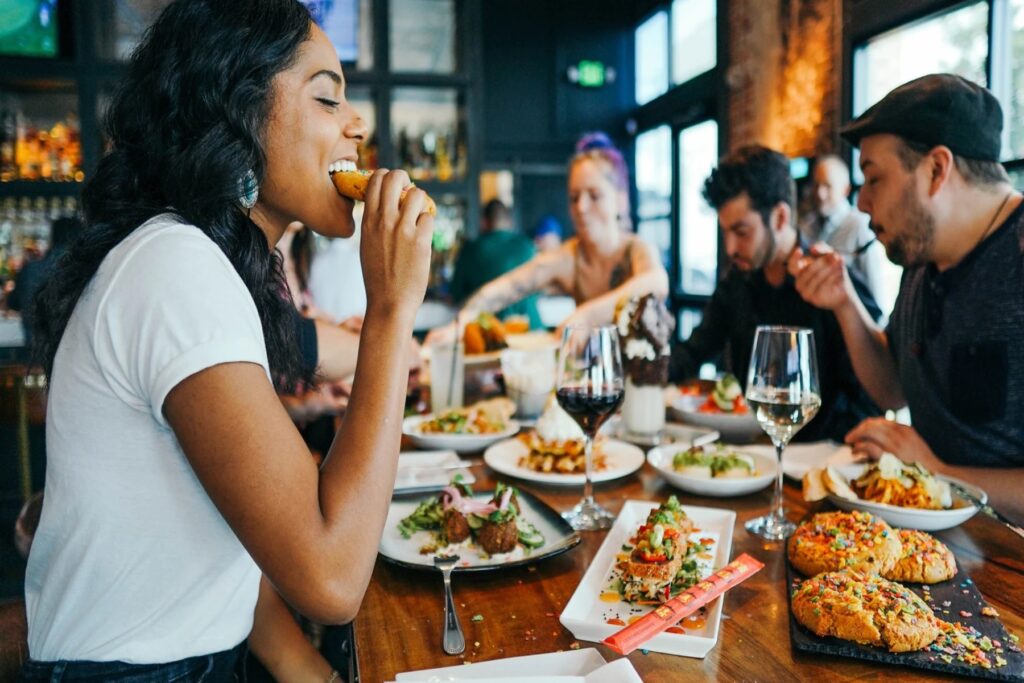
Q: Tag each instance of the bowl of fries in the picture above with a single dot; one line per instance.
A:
(904, 494)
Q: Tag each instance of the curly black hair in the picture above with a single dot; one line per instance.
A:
(761, 173)
(184, 126)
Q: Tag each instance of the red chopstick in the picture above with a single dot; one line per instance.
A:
(662, 617)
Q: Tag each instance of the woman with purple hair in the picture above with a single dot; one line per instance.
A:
(603, 263)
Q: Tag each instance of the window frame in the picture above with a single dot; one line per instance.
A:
(703, 97)
(869, 19)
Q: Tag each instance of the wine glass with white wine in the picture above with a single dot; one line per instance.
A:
(782, 390)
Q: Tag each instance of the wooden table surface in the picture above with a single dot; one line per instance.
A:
(400, 623)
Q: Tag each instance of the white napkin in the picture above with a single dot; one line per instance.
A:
(416, 469)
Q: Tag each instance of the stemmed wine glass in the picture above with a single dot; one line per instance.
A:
(782, 388)
(590, 388)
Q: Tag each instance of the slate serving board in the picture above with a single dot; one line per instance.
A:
(961, 594)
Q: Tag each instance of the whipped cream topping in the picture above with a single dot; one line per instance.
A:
(554, 424)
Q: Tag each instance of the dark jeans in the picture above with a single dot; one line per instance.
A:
(226, 667)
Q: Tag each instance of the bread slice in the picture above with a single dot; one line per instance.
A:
(814, 485)
(837, 484)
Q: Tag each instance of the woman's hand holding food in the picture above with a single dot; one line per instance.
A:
(395, 244)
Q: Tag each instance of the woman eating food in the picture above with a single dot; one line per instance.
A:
(604, 263)
(175, 478)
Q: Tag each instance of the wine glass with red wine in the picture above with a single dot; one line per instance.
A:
(590, 388)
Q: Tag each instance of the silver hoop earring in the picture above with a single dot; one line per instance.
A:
(248, 190)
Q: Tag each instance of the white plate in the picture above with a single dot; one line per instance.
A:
(425, 470)
(567, 663)
(911, 518)
(571, 666)
(661, 460)
(672, 432)
(798, 458)
(586, 613)
(621, 459)
(461, 443)
(734, 428)
(558, 537)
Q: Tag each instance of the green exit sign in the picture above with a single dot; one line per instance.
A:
(591, 73)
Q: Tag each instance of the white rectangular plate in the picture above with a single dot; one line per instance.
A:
(586, 614)
(569, 663)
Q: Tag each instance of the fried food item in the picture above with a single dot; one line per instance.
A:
(473, 340)
(856, 540)
(352, 184)
(661, 546)
(865, 609)
(454, 526)
(484, 334)
(500, 537)
(560, 456)
(925, 559)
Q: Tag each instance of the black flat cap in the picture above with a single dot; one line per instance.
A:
(939, 109)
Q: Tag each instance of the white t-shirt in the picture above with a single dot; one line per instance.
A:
(336, 280)
(132, 561)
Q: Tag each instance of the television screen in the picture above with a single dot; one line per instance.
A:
(339, 19)
(28, 28)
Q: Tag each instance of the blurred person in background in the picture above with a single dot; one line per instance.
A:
(34, 273)
(336, 277)
(834, 221)
(603, 263)
(496, 250)
(547, 234)
(755, 197)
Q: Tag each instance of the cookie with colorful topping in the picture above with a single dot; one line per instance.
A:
(925, 559)
(866, 609)
(856, 540)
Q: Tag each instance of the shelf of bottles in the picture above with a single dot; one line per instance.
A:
(428, 126)
(25, 229)
(40, 138)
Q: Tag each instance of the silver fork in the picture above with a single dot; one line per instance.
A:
(454, 642)
(983, 505)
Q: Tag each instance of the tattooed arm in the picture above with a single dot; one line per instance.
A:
(648, 277)
(534, 275)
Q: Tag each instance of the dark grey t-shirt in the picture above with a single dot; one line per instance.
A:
(958, 341)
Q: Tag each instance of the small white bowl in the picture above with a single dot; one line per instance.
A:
(660, 458)
(741, 428)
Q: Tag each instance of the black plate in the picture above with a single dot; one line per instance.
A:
(534, 509)
(961, 594)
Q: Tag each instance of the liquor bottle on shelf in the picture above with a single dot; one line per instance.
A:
(8, 143)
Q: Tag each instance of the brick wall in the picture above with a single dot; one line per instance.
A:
(783, 76)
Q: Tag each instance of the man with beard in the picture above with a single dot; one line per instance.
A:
(945, 210)
(754, 195)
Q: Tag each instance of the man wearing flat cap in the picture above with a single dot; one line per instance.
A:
(943, 207)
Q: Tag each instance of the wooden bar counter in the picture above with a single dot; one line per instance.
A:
(400, 623)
